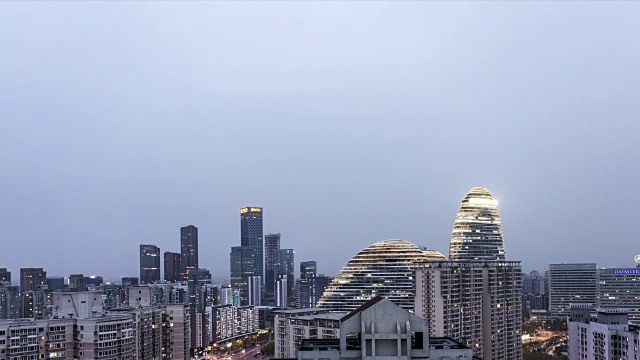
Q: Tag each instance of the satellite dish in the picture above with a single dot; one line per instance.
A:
(637, 259)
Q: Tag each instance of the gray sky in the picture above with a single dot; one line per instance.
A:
(349, 122)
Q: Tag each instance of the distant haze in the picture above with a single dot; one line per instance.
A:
(348, 122)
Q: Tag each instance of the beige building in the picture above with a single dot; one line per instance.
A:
(31, 339)
(475, 302)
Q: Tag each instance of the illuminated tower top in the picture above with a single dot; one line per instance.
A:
(477, 231)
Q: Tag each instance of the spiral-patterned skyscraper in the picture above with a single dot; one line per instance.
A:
(477, 231)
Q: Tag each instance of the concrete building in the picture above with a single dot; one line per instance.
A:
(385, 269)
(380, 329)
(149, 264)
(293, 326)
(571, 284)
(477, 230)
(78, 282)
(475, 302)
(229, 323)
(619, 288)
(188, 250)
(605, 336)
(32, 279)
(9, 301)
(176, 332)
(37, 339)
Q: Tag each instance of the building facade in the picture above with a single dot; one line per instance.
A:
(251, 235)
(477, 230)
(619, 288)
(571, 284)
(382, 269)
(188, 250)
(149, 264)
(271, 270)
(293, 326)
(474, 302)
(172, 267)
(242, 264)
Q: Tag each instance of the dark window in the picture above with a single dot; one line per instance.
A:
(417, 340)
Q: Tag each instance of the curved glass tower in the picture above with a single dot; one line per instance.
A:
(477, 231)
(384, 268)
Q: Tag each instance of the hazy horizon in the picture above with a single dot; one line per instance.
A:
(348, 122)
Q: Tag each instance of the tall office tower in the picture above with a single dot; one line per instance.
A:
(477, 230)
(620, 288)
(172, 267)
(571, 284)
(308, 269)
(78, 282)
(9, 301)
(384, 269)
(287, 268)
(251, 235)
(188, 250)
(475, 302)
(32, 279)
(5, 275)
(242, 261)
(271, 253)
(310, 289)
(149, 264)
(254, 290)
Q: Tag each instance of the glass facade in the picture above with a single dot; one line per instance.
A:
(477, 231)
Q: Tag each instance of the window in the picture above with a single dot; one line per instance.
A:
(417, 340)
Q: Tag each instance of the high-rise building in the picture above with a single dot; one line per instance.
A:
(308, 269)
(172, 267)
(32, 279)
(5, 275)
(188, 250)
(149, 264)
(286, 269)
(9, 301)
(310, 289)
(55, 283)
(535, 292)
(95, 280)
(620, 288)
(271, 254)
(475, 302)
(477, 230)
(242, 260)
(384, 268)
(197, 282)
(254, 290)
(78, 282)
(251, 235)
(571, 284)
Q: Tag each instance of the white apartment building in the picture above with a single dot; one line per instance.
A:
(477, 303)
(293, 326)
(29, 339)
(605, 336)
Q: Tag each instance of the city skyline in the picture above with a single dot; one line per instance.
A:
(349, 123)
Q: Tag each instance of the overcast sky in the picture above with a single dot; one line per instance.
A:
(349, 122)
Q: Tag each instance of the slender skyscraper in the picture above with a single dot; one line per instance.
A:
(149, 264)
(477, 231)
(242, 259)
(251, 235)
(188, 250)
(287, 271)
(172, 267)
(271, 253)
